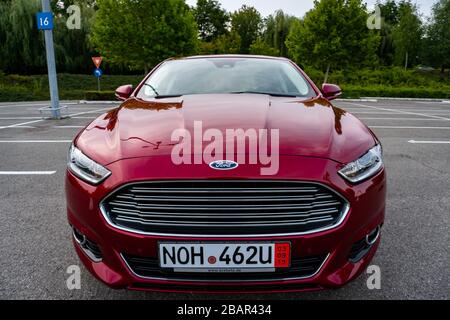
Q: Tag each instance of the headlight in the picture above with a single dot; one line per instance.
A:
(366, 166)
(85, 168)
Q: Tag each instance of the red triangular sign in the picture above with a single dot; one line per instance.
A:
(97, 61)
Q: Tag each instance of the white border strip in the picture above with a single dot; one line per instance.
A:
(24, 173)
(428, 142)
(35, 141)
(398, 111)
(394, 127)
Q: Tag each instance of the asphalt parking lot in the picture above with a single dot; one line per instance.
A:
(414, 255)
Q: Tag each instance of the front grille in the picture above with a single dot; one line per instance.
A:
(302, 267)
(224, 207)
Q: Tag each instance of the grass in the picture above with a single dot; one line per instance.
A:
(388, 82)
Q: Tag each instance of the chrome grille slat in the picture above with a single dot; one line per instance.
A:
(229, 216)
(221, 190)
(224, 224)
(224, 207)
(221, 207)
(129, 196)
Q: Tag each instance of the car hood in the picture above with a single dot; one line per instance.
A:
(311, 127)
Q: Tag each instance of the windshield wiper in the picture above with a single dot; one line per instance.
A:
(161, 96)
(153, 88)
(268, 93)
(167, 96)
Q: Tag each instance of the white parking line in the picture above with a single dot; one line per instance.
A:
(398, 111)
(35, 141)
(429, 142)
(23, 105)
(68, 127)
(22, 173)
(70, 115)
(87, 112)
(21, 124)
(20, 127)
(394, 127)
(406, 110)
(20, 118)
(409, 119)
(393, 113)
(31, 104)
(84, 117)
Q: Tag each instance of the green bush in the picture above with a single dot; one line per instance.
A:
(385, 82)
(349, 91)
(99, 95)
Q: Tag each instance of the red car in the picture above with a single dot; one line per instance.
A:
(226, 174)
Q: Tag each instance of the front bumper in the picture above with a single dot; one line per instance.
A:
(367, 208)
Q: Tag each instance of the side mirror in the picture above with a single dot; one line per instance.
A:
(124, 92)
(331, 91)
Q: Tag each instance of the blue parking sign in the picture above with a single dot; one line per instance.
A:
(44, 20)
(98, 72)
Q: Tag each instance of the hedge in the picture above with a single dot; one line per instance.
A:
(392, 82)
(99, 95)
(349, 91)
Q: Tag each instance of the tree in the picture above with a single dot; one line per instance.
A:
(389, 12)
(390, 16)
(276, 30)
(211, 19)
(407, 35)
(246, 22)
(22, 45)
(438, 36)
(229, 43)
(260, 47)
(18, 34)
(141, 33)
(72, 46)
(334, 35)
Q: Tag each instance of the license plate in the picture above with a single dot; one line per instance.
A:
(224, 257)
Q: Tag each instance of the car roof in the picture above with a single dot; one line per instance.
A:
(247, 56)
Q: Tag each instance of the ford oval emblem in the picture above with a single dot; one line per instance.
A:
(223, 165)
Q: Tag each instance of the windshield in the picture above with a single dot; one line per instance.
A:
(226, 75)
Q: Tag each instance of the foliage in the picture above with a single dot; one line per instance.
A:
(22, 46)
(211, 19)
(335, 34)
(389, 15)
(438, 36)
(357, 92)
(392, 76)
(393, 82)
(407, 35)
(72, 86)
(19, 35)
(139, 34)
(72, 47)
(246, 22)
(260, 47)
(276, 30)
(229, 43)
(99, 95)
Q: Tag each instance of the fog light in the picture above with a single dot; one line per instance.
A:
(90, 248)
(362, 247)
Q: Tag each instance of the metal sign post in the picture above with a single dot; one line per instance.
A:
(45, 22)
(97, 72)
